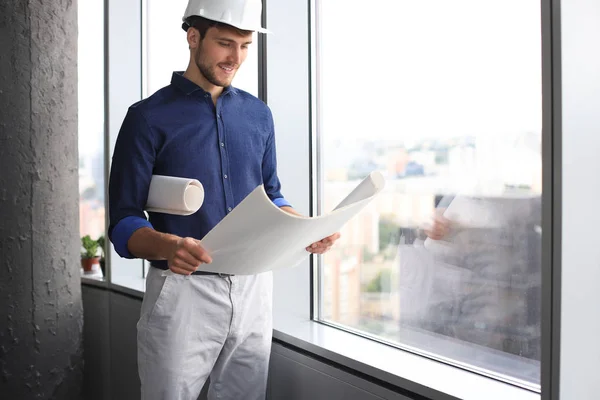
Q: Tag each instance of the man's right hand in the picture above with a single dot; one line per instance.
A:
(187, 256)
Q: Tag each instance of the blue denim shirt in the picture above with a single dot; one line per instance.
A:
(178, 131)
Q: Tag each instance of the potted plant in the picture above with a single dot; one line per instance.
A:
(101, 244)
(89, 255)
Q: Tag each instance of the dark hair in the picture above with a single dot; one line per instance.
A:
(203, 24)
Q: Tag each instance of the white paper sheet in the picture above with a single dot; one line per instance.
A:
(257, 236)
(174, 195)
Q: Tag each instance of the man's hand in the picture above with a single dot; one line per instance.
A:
(440, 226)
(323, 245)
(187, 256)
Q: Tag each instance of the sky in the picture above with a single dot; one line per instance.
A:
(90, 70)
(429, 68)
(390, 69)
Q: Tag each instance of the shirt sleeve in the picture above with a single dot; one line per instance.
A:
(281, 202)
(269, 169)
(123, 231)
(130, 175)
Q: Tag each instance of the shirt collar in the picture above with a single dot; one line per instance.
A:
(188, 87)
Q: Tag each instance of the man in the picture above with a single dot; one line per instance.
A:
(195, 324)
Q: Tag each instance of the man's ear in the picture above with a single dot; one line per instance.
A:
(193, 38)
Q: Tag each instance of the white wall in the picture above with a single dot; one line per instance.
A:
(580, 318)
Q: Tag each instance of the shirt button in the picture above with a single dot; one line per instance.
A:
(222, 144)
(229, 209)
(225, 176)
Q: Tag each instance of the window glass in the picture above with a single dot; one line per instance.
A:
(445, 99)
(91, 127)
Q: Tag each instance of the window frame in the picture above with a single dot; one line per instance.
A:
(295, 286)
(294, 312)
(95, 280)
(317, 199)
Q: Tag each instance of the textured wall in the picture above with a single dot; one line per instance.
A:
(40, 294)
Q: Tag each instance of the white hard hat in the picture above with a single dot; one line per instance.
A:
(242, 14)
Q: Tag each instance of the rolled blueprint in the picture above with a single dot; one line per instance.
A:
(173, 195)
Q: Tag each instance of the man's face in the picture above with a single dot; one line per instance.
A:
(221, 53)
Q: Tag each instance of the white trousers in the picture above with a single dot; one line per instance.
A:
(193, 327)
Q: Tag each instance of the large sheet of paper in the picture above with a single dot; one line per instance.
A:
(174, 195)
(258, 236)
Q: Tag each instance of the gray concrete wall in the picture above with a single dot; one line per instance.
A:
(40, 294)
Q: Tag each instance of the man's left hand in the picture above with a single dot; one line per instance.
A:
(323, 245)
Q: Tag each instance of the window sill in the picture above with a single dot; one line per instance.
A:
(417, 374)
(94, 281)
(132, 286)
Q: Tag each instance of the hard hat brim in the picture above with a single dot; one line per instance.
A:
(244, 28)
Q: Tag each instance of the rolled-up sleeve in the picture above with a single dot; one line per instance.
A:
(130, 176)
(269, 169)
(281, 202)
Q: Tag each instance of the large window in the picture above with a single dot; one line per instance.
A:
(167, 48)
(445, 99)
(90, 68)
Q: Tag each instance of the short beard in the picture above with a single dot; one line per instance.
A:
(208, 72)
